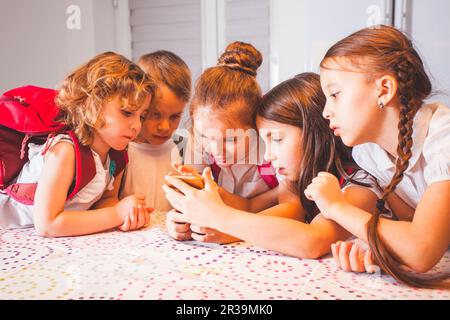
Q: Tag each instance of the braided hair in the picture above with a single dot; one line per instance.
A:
(386, 49)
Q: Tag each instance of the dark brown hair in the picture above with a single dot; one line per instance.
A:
(169, 69)
(385, 50)
(232, 80)
(300, 102)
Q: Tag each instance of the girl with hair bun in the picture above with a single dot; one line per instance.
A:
(222, 108)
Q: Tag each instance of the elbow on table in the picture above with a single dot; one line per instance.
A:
(421, 266)
(314, 248)
(423, 263)
(427, 255)
(46, 229)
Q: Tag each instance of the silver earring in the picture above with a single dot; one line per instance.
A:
(381, 105)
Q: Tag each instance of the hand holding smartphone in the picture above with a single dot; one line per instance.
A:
(192, 180)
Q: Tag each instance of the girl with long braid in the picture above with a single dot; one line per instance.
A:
(376, 85)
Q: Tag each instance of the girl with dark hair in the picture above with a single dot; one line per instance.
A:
(299, 144)
(375, 85)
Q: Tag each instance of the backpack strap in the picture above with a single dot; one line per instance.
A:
(215, 169)
(84, 166)
(22, 192)
(349, 171)
(118, 161)
(268, 174)
(84, 172)
(266, 171)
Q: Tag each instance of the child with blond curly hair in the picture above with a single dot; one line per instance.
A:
(101, 104)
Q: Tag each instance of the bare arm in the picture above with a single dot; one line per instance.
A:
(289, 236)
(256, 204)
(295, 237)
(289, 204)
(419, 243)
(289, 207)
(49, 216)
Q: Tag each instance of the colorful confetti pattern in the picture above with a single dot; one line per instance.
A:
(148, 264)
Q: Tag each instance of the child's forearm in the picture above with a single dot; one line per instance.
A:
(106, 202)
(287, 236)
(397, 236)
(285, 210)
(74, 223)
(256, 204)
(235, 201)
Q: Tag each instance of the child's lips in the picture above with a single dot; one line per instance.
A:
(128, 137)
(334, 128)
(161, 137)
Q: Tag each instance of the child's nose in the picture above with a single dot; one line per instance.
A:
(268, 155)
(164, 125)
(326, 112)
(136, 125)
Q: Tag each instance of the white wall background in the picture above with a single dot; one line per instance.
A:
(38, 48)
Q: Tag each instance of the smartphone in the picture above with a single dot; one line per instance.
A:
(193, 181)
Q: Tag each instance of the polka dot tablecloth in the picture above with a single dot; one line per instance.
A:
(148, 264)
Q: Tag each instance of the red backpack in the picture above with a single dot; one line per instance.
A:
(27, 115)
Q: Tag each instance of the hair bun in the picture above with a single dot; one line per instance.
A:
(241, 56)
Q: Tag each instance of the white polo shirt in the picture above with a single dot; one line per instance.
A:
(430, 160)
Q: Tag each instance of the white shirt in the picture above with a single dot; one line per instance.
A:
(241, 179)
(430, 160)
(148, 165)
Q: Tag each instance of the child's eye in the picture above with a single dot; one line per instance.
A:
(334, 95)
(127, 113)
(156, 115)
(277, 140)
(175, 117)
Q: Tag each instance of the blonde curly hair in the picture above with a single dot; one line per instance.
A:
(84, 92)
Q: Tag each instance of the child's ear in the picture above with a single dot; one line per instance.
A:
(387, 87)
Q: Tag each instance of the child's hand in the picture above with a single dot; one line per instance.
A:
(137, 218)
(184, 169)
(200, 207)
(325, 191)
(203, 234)
(177, 229)
(133, 212)
(353, 256)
